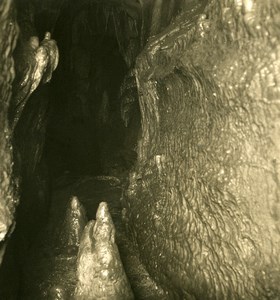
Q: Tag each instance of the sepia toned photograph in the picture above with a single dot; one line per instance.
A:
(139, 149)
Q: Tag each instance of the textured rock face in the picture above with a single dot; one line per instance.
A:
(204, 199)
(35, 64)
(8, 200)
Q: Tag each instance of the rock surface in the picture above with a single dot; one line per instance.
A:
(203, 201)
(100, 271)
(8, 197)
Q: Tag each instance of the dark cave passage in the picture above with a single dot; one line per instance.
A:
(85, 132)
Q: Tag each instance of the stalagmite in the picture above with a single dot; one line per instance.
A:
(73, 224)
(100, 271)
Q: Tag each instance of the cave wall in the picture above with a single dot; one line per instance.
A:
(203, 200)
(35, 60)
(27, 67)
(8, 195)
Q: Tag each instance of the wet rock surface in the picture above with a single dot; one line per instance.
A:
(208, 176)
(200, 210)
(35, 64)
(8, 193)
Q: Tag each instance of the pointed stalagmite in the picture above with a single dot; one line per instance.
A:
(100, 271)
(74, 224)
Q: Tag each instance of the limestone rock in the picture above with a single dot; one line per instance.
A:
(73, 224)
(100, 271)
(8, 199)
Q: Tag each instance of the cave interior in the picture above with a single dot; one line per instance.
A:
(151, 137)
